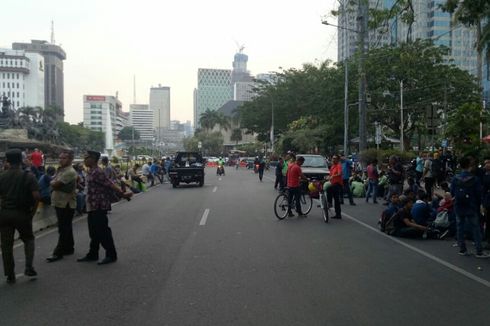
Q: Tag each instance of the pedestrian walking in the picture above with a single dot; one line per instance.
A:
(19, 194)
(428, 176)
(64, 200)
(346, 174)
(395, 177)
(100, 191)
(279, 177)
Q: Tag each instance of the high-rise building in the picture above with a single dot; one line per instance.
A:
(141, 119)
(22, 78)
(240, 72)
(160, 105)
(243, 91)
(213, 90)
(53, 70)
(100, 113)
(431, 22)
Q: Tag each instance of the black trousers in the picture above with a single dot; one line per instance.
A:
(334, 192)
(65, 244)
(279, 182)
(294, 194)
(11, 220)
(345, 189)
(100, 234)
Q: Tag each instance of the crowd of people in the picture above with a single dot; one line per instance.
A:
(425, 199)
(71, 188)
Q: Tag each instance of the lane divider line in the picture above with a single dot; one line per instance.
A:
(215, 188)
(423, 253)
(204, 217)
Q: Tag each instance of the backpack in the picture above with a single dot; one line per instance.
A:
(463, 193)
(385, 216)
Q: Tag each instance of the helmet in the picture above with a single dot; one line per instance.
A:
(312, 187)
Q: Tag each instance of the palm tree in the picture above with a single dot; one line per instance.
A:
(208, 119)
(224, 122)
(236, 135)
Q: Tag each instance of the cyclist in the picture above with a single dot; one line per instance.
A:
(294, 176)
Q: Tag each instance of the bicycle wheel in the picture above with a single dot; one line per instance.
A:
(324, 206)
(281, 206)
(306, 203)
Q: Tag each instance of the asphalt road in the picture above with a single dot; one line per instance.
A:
(217, 255)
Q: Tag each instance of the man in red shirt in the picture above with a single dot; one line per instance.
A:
(294, 176)
(336, 186)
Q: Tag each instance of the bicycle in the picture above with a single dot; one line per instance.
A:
(281, 203)
(321, 195)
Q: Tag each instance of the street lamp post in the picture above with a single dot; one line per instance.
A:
(402, 124)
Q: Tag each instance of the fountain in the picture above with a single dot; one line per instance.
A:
(109, 139)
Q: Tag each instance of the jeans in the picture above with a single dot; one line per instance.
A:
(65, 241)
(429, 184)
(80, 202)
(279, 182)
(346, 189)
(473, 221)
(372, 188)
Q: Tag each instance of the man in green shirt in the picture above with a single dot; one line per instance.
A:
(64, 200)
(19, 194)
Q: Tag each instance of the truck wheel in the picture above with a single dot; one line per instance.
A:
(201, 182)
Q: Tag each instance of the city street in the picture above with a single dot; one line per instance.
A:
(217, 255)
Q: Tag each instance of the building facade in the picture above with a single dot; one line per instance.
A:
(141, 119)
(160, 105)
(22, 78)
(53, 70)
(243, 91)
(100, 113)
(213, 90)
(431, 22)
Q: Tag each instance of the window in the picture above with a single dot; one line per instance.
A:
(18, 85)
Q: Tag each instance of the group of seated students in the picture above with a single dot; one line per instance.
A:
(415, 215)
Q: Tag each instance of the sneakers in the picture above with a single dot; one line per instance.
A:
(482, 255)
(463, 253)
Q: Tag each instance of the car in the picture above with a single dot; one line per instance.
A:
(144, 158)
(315, 166)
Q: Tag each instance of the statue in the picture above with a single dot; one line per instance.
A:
(8, 117)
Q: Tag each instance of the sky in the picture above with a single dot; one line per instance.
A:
(108, 42)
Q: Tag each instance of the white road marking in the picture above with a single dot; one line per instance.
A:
(204, 217)
(215, 188)
(423, 253)
(219, 178)
(269, 178)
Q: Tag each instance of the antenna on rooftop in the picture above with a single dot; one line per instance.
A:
(52, 32)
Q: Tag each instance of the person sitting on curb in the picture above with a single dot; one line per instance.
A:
(403, 224)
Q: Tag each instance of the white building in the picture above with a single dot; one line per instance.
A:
(160, 105)
(100, 113)
(22, 78)
(141, 119)
(243, 91)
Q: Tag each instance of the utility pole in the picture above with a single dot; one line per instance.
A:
(346, 80)
(272, 126)
(362, 20)
(402, 124)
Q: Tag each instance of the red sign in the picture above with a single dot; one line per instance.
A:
(95, 98)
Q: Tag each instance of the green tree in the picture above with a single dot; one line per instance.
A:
(236, 135)
(464, 128)
(129, 133)
(209, 119)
